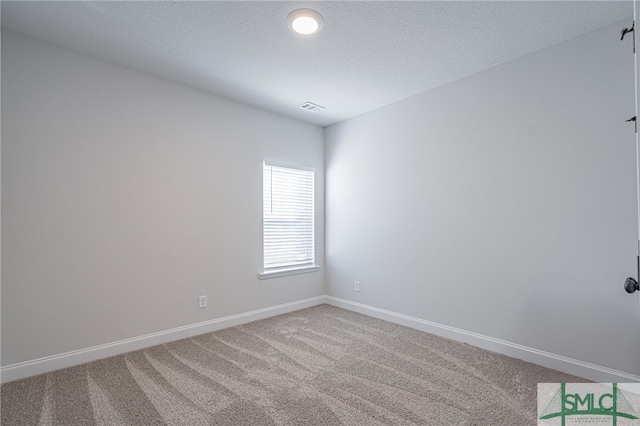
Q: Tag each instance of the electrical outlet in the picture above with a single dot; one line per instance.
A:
(202, 302)
(356, 285)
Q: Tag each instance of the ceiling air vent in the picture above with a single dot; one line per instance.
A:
(310, 106)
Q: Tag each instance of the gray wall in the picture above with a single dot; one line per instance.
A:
(501, 204)
(124, 197)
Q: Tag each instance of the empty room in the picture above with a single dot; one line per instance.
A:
(319, 213)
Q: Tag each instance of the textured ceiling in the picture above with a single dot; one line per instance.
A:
(369, 53)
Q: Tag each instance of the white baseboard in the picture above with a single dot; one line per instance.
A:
(44, 365)
(565, 364)
(568, 365)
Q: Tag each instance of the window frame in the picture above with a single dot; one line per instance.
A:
(292, 269)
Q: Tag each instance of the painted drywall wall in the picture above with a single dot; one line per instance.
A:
(502, 204)
(125, 197)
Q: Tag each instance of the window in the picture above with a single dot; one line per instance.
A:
(288, 221)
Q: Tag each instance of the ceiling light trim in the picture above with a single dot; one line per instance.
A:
(305, 21)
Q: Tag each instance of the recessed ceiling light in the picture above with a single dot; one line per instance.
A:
(305, 21)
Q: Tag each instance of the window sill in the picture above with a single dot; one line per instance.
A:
(285, 272)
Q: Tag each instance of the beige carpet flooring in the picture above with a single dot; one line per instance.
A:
(318, 366)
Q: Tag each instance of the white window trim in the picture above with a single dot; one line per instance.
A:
(288, 166)
(284, 272)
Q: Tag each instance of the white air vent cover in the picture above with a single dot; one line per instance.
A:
(310, 106)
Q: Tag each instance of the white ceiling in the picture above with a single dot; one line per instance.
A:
(369, 53)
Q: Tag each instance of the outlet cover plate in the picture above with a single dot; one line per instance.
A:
(202, 302)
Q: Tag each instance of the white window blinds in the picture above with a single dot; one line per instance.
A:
(288, 218)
